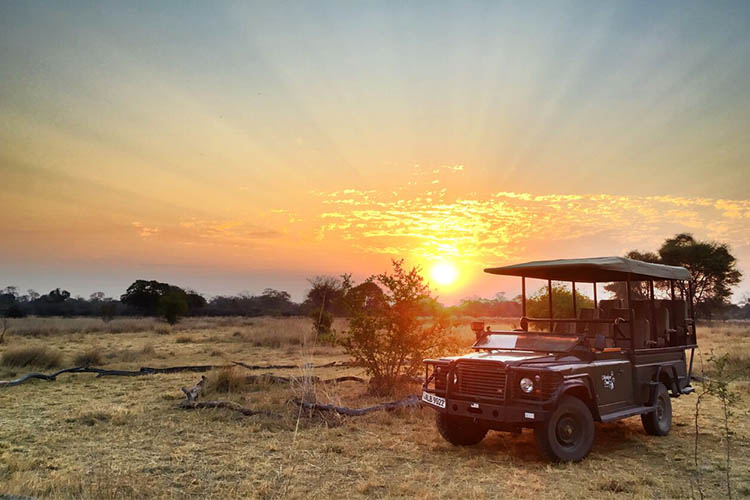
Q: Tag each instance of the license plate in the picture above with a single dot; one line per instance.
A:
(428, 397)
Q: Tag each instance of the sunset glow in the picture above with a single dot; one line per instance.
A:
(231, 147)
(444, 274)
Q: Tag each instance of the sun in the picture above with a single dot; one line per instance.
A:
(444, 273)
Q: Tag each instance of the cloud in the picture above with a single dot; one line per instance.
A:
(504, 225)
(208, 231)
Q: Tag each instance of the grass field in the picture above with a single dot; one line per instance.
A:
(123, 437)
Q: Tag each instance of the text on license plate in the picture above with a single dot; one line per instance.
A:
(433, 400)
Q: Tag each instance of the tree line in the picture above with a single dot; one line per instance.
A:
(712, 267)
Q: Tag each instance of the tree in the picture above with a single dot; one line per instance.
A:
(326, 298)
(57, 296)
(173, 305)
(639, 290)
(144, 295)
(367, 296)
(195, 301)
(713, 270)
(107, 310)
(537, 306)
(391, 340)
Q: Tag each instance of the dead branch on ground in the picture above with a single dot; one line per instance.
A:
(270, 378)
(409, 402)
(147, 370)
(332, 364)
(191, 395)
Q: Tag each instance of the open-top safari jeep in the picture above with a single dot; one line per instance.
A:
(621, 358)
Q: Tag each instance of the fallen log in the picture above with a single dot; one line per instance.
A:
(191, 395)
(409, 402)
(42, 376)
(285, 367)
(269, 378)
(147, 370)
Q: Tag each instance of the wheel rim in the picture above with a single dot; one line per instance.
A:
(661, 410)
(568, 431)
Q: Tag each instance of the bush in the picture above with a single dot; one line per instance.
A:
(229, 380)
(90, 357)
(391, 340)
(38, 357)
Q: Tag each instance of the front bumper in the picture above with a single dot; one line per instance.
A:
(499, 416)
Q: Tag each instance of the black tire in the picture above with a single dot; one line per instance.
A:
(568, 434)
(659, 422)
(459, 431)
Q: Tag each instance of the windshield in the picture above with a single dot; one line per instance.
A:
(525, 342)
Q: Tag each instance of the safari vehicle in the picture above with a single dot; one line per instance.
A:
(621, 358)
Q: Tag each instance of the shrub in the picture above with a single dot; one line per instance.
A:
(148, 350)
(38, 357)
(229, 379)
(90, 357)
(184, 339)
(391, 340)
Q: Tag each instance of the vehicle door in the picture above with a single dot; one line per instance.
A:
(613, 383)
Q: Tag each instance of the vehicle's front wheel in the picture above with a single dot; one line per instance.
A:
(568, 434)
(459, 431)
(659, 421)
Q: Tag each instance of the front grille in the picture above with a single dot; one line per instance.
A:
(440, 379)
(481, 379)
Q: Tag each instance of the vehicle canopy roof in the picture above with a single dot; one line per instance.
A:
(594, 269)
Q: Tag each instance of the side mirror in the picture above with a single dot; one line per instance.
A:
(478, 328)
(601, 342)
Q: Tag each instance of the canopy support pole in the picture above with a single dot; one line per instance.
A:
(652, 307)
(596, 303)
(631, 318)
(549, 297)
(575, 310)
(523, 296)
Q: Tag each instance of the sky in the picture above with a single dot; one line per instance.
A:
(235, 146)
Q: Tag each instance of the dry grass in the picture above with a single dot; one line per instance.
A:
(33, 357)
(82, 437)
(90, 357)
(228, 380)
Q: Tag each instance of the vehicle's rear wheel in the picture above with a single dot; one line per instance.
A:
(659, 421)
(460, 431)
(568, 434)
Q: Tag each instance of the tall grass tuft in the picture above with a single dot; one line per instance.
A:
(228, 380)
(37, 357)
(89, 357)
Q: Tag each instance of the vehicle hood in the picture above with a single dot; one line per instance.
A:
(505, 357)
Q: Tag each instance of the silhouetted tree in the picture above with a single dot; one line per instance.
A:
(57, 295)
(713, 270)
(537, 306)
(107, 310)
(326, 299)
(144, 295)
(195, 301)
(173, 305)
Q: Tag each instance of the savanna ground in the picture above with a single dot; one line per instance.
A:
(123, 437)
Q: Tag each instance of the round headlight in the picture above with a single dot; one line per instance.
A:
(526, 385)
